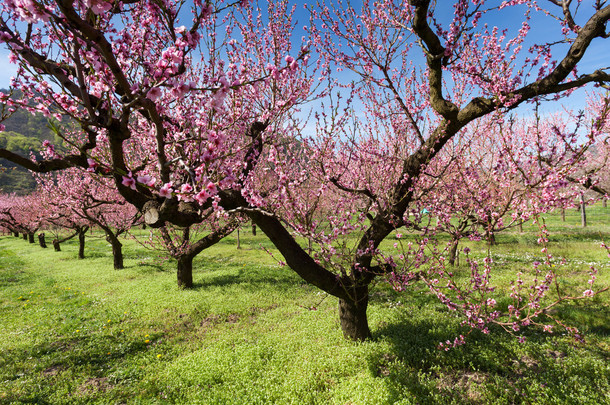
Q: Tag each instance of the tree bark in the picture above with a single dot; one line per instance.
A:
(352, 315)
(563, 215)
(31, 237)
(583, 211)
(254, 227)
(185, 271)
(238, 240)
(41, 240)
(25, 236)
(16, 234)
(117, 251)
(56, 245)
(453, 251)
(81, 244)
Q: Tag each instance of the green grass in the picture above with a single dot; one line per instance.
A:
(77, 331)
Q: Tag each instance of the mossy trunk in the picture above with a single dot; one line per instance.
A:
(352, 315)
(185, 271)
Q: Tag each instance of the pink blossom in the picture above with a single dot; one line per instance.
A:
(129, 181)
(146, 179)
(166, 190)
(154, 93)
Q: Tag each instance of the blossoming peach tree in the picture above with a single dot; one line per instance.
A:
(188, 118)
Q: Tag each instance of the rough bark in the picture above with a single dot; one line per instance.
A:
(352, 315)
(453, 252)
(117, 252)
(81, 243)
(583, 211)
(185, 271)
(41, 240)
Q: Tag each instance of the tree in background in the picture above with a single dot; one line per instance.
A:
(81, 199)
(213, 120)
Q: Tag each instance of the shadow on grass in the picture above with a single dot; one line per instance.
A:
(88, 360)
(494, 364)
(250, 280)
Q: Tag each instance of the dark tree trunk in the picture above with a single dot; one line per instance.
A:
(563, 215)
(16, 234)
(352, 315)
(254, 226)
(41, 240)
(453, 252)
(31, 237)
(605, 202)
(238, 240)
(583, 211)
(143, 226)
(185, 271)
(25, 236)
(81, 244)
(117, 253)
(521, 226)
(56, 245)
(491, 239)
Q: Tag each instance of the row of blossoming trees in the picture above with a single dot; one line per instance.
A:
(189, 111)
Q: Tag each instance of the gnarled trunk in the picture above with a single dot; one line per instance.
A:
(352, 315)
(185, 271)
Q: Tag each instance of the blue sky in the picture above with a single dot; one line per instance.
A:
(596, 57)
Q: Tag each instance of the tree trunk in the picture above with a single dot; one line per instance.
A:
(238, 240)
(31, 237)
(352, 315)
(254, 227)
(81, 244)
(605, 202)
(41, 240)
(16, 234)
(563, 215)
(117, 253)
(583, 211)
(453, 252)
(185, 271)
(56, 245)
(491, 238)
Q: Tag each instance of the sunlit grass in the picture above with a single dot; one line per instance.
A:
(252, 332)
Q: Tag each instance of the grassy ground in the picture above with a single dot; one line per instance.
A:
(77, 331)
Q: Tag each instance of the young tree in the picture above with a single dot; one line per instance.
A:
(212, 119)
